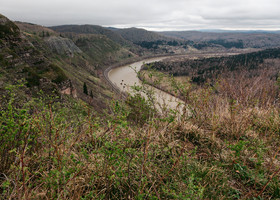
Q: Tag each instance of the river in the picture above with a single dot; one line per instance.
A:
(125, 76)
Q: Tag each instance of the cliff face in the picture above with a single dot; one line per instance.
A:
(67, 88)
(62, 46)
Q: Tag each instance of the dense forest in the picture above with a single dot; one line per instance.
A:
(219, 42)
(197, 45)
(245, 39)
(201, 70)
(155, 44)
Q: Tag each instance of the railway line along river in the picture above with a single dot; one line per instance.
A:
(126, 76)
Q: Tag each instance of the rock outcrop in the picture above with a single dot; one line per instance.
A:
(67, 88)
(8, 29)
(62, 46)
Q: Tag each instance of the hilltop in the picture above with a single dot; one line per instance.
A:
(137, 35)
(91, 29)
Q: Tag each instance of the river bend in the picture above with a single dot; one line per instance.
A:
(125, 76)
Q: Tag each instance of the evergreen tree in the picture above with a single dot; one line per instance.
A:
(91, 94)
(85, 89)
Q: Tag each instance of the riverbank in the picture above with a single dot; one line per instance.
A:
(146, 80)
(128, 62)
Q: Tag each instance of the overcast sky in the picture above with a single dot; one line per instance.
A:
(149, 14)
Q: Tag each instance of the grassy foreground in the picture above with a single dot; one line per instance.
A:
(59, 148)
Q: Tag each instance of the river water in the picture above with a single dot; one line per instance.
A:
(125, 76)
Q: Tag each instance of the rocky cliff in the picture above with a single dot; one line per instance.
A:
(62, 46)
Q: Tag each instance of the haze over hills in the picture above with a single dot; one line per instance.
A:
(249, 39)
(231, 31)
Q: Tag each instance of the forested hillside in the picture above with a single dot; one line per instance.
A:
(236, 39)
(201, 70)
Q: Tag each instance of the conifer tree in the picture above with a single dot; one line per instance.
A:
(91, 94)
(85, 89)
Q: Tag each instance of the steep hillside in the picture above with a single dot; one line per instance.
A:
(19, 58)
(48, 62)
(8, 29)
(101, 49)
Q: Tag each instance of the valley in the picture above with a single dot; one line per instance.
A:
(92, 112)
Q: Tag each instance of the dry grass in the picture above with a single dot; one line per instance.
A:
(227, 148)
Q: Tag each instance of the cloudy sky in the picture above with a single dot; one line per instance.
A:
(149, 14)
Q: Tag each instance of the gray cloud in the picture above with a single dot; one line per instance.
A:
(150, 14)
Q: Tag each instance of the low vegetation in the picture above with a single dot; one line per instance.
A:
(226, 148)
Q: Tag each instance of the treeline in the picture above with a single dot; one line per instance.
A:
(198, 45)
(157, 43)
(201, 70)
(226, 44)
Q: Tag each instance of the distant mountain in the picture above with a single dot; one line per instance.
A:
(91, 29)
(112, 28)
(236, 31)
(137, 35)
(248, 39)
(137, 41)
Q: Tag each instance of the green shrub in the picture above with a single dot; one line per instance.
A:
(59, 75)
